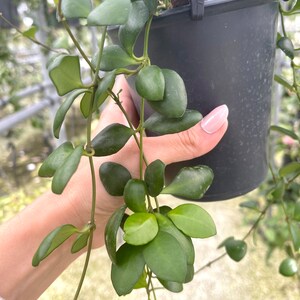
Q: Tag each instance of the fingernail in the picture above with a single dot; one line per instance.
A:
(215, 119)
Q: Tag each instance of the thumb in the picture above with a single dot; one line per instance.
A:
(190, 143)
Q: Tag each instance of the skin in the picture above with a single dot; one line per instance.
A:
(21, 236)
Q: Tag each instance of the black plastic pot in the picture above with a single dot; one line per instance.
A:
(9, 10)
(227, 57)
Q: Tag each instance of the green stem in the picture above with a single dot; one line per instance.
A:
(142, 117)
(282, 22)
(146, 40)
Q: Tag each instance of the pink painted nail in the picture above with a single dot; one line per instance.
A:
(215, 119)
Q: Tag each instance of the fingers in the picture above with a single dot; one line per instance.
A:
(191, 143)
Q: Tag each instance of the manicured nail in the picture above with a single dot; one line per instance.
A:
(215, 119)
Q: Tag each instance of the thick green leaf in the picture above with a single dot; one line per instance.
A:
(295, 231)
(236, 249)
(193, 220)
(64, 72)
(30, 33)
(155, 177)
(128, 270)
(281, 80)
(190, 183)
(162, 125)
(76, 9)
(225, 242)
(85, 104)
(152, 6)
(80, 242)
(150, 83)
(290, 170)
(286, 45)
(129, 32)
(174, 102)
(114, 178)
(111, 139)
(135, 195)
(288, 267)
(165, 257)
(110, 12)
(285, 131)
(296, 215)
(190, 273)
(53, 240)
(55, 159)
(172, 286)
(294, 10)
(166, 225)
(63, 109)
(64, 173)
(111, 231)
(140, 228)
(114, 57)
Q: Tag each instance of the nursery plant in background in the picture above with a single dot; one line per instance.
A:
(157, 244)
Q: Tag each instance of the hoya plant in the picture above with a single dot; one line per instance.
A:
(157, 240)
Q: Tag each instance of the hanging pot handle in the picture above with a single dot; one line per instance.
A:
(197, 11)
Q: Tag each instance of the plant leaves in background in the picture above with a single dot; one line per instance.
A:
(160, 124)
(251, 204)
(110, 12)
(295, 231)
(135, 195)
(64, 173)
(53, 240)
(111, 139)
(76, 9)
(114, 178)
(30, 33)
(296, 215)
(128, 270)
(174, 102)
(155, 177)
(236, 249)
(285, 131)
(290, 170)
(288, 267)
(140, 228)
(55, 160)
(193, 221)
(150, 83)
(114, 57)
(80, 242)
(111, 231)
(190, 183)
(165, 257)
(129, 32)
(85, 104)
(63, 109)
(64, 72)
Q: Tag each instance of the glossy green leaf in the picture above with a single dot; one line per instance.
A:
(165, 257)
(166, 225)
(114, 178)
(128, 270)
(155, 177)
(114, 57)
(53, 240)
(174, 102)
(193, 220)
(172, 286)
(129, 32)
(296, 215)
(85, 104)
(190, 273)
(110, 12)
(55, 159)
(140, 228)
(150, 83)
(111, 139)
(190, 183)
(111, 231)
(135, 195)
(152, 6)
(295, 231)
(225, 242)
(162, 125)
(286, 45)
(290, 170)
(281, 80)
(163, 209)
(236, 249)
(64, 72)
(64, 173)
(105, 84)
(288, 267)
(30, 33)
(63, 109)
(76, 9)
(80, 242)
